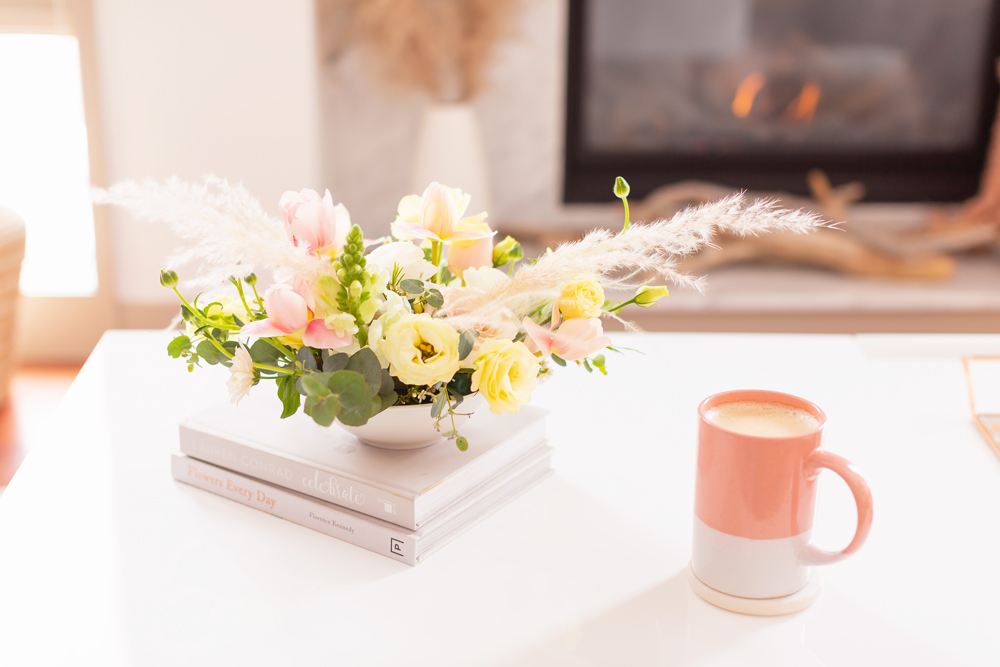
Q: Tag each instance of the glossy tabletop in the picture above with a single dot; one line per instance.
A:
(106, 560)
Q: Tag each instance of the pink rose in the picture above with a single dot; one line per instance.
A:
(315, 223)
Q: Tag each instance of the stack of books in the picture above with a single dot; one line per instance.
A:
(404, 505)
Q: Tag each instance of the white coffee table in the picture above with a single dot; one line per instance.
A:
(106, 560)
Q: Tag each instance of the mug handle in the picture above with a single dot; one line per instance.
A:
(813, 555)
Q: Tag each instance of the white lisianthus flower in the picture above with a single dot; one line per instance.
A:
(422, 350)
(409, 257)
(485, 279)
(241, 375)
(505, 374)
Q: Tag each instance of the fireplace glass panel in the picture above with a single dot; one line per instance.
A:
(694, 77)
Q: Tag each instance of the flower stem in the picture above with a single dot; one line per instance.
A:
(625, 201)
(239, 288)
(616, 308)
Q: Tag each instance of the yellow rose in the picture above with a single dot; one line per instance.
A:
(422, 350)
(505, 374)
(584, 298)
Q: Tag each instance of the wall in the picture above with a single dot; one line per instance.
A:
(189, 87)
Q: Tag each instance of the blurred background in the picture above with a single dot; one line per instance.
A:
(874, 113)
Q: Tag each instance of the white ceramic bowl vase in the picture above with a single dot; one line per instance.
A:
(410, 426)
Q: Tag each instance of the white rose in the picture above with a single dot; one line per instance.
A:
(409, 257)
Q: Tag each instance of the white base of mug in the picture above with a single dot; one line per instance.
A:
(748, 568)
(787, 604)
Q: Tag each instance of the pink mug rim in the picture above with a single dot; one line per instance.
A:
(764, 396)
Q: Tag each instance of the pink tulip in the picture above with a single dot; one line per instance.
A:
(288, 313)
(572, 340)
(313, 222)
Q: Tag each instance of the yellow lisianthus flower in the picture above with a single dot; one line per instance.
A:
(584, 298)
(505, 374)
(422, 350)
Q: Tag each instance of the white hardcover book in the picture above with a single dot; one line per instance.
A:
(382, 537)
(408, 488)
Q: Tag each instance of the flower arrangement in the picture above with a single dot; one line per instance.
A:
(431, 315)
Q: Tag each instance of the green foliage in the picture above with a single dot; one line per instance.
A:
(366, 363)
(178, 346)
(333, 362)
(263, 352)
(462, 443)
(411, 286)
(507, 251)
(465, 344)
(208, 352)
(306, 360)
(289, 395)
(559, 360)
(461, 383)
(599, 362)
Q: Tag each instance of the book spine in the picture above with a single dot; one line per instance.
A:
(298, 476)
(393, 543)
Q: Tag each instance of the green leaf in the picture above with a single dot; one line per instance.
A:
(208, 352)
(387, 401)
(178, 345)
(186, 313)
(461, 384)
(313, 387)
(434, 298)
(411, 286)
(462, 443)
(349, 387)
(465, 344)
(439, 403)
(289, 395)
(365, 362)
(387, 386)
(559, 360)
(263, 352)
(323, 409)
(306, 358)
(334, 362)
(599, 362)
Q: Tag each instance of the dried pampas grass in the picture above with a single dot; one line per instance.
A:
(231, 234)
(615, 259)
(441, 47)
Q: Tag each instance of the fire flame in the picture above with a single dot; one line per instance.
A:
(803, 107)
(745, 94)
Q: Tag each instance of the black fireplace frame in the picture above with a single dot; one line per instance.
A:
(942, 176)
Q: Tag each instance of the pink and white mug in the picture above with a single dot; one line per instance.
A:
(755, 496)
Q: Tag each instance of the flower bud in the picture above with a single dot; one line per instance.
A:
(621, 188)
(648, 295)
(507, 251)
(168, 278)
(251, 279)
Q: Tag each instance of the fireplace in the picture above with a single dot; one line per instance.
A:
(898, 94)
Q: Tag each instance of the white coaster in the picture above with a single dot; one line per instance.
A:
(760, 607)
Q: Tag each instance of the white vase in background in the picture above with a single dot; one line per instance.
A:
(450, 151)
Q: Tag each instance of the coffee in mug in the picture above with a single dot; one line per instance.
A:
(759, 457)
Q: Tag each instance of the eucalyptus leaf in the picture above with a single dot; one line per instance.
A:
(559, 360)
(263, 352)
(465, 344)
(312, 386)
(349, 388)
(461, 383)
(586, 364)
(323, 409)
(411, 286)
(462, 443)
(178, 345)
(387, 386)
(208, 352)
(334, 362)
(306, 358)
(438, 407)
(365, 362)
